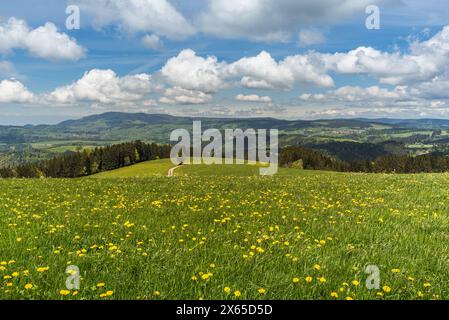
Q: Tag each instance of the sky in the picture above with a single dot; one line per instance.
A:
(288, 59)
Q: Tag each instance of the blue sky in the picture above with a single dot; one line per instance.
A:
(195, 62)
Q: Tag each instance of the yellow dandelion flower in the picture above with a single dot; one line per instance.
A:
(71, 272)
(64, 292)
(42, 269)
(295, 280)
(334, 295)
(317, 267)
(206, 276)
(395, 270)
(227, 290)
(309, 279)
(28, 286)
(237, 294)
(386, 289)
(262, 291)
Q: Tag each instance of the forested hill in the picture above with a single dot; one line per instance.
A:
(114, 126)
(344, 139)
(88, 162)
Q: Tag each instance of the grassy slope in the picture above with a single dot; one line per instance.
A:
(141, 170)
(235, 170)
(139, 236)
(161, 167)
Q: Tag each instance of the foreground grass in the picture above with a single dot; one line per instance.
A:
(226, 237)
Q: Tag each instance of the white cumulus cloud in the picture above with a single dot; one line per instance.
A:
(156, 16)
(43, 42)
(105, 87)
(13, 91)
(263, 72)
(192, 72)
(275, 20)
(357, 94)
(253, 98)
(177, 95)
(422, 62)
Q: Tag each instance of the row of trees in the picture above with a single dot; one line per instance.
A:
(428, 163)
(403, 164)
(310, 159)
(89, 162)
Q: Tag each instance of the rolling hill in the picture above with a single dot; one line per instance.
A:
(161, 167)
(140, 170)
(348, 139)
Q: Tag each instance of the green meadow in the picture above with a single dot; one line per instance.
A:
(224, 232)
(140, 170)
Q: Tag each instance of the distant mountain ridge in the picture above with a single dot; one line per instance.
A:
(348, 139)
(117, 118)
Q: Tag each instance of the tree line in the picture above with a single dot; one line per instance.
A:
(429, 163)
(89, 161)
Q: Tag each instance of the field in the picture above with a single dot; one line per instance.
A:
(209, 235)
(141, 170)
(161, 167)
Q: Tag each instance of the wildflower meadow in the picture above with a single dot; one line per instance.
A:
(305, 236)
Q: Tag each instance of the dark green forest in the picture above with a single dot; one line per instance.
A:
(383, 164)
(88, 162)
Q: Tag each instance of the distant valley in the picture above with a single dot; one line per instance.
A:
(345, 139)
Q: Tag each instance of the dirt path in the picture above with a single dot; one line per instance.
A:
(171, 172)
